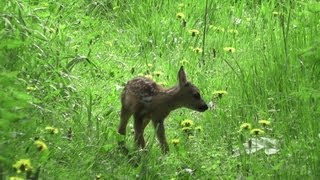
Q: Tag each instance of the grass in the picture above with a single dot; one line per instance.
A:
(64, 64)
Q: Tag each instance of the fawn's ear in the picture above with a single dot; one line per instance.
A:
(182, 77)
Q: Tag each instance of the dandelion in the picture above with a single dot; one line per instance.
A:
(109, 43)
(98, 176)
(52, 130)
(194, 32)
(187, 123)
(41, 145)
(157, 73)
(275, 13)
(180, 5)
(245, 126)
(197, 50)
(175, 141)
(187, 130)
(150, 65)
(184, 62)
(148, 76)
(15, 178)
(229, 49)
(140, 74)
(181, 16)
(30, 88)
(219, 94)
(23, 165)
(233, 31)
(256, 132)
(264, 122)
(198, 128)
(216, 28)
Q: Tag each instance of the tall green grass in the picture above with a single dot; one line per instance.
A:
(64, 64)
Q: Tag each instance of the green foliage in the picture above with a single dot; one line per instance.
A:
(13, 99)
(64, 64)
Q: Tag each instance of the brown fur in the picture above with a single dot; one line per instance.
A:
(146, 100)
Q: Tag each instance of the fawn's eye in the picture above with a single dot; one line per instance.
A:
(196, 95)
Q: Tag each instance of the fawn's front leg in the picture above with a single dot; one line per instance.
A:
(159, 127)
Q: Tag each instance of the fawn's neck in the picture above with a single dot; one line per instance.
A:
(168, 98)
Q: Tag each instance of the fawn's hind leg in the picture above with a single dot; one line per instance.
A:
(124, 118)
(138, 130)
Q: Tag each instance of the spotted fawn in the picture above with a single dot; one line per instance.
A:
(147, 100)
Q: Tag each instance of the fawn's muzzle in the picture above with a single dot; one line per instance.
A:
(203, 108)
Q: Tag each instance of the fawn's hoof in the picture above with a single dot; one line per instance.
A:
(122, 147)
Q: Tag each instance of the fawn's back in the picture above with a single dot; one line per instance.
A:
(142, 96)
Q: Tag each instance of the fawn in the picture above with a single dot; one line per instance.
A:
(146, 100)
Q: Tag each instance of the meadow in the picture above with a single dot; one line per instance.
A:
(64, 65)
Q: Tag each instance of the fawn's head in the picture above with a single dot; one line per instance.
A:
(189, 95)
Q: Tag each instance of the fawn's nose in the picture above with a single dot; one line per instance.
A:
(203, 108)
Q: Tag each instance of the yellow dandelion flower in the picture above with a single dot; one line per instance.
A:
(180, 5)
(233, 31)
(275, 13)
(216, 28)
(197, 50)
(187, 123)
(194, 32)
(98, 176)
(175, 141)
(150, 65)
(157, 73)
(221, 29)
(30, 88)
(148, 76)
(187, 130)
(181, 16)
(22, 165)
(41, 145)
(264, 122)
(15, 178)
(229, 49)
(184, 62)
(256, 131)
(52, 130)
(109, 43)
(198, 128)
(219, 94)
(245, 126)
